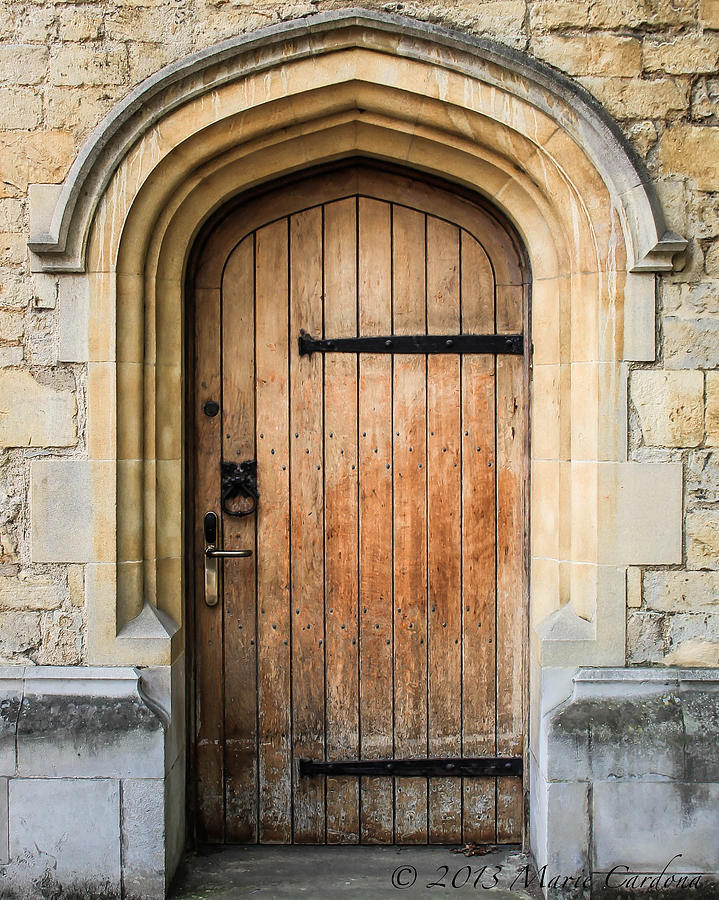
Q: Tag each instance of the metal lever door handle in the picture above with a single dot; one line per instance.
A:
(227, 554)
(212, 555)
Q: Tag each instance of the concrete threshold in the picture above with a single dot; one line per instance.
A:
(229, 872)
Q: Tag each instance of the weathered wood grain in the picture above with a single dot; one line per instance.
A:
(240, 635)
(341, 520)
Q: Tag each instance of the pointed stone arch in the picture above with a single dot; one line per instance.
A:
(358, 83)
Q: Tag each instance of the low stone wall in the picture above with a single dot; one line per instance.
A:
(627, 791)
(91, 784)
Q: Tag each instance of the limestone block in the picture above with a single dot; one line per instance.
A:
(696, 627)
(711, 259)
(646, 640)
(78, 109)
(15, 289)
(77, 64)
(40, 156)
(693, 652)
(635, 13)
(12, 325)
(13, 250)
(600, 54)
(34, 414)
(712, 411)
(31, 592)
(634, 587)
(11, 690)
(87, 723)
(11, 356)
(685, 54)
(691, 343)
(634, 528)
(74, 316)
(23, 63)
(691, 301)
(692, 150)
(702, 477)
(20, 633)
(11, 215)
(62, 635)
(81, 23)
(705, 98)
(20, 107)
(704, 215)
(143, 837)
(675, 819)
(673, 591)
(73, 510)
(548, 15)
(631, 98)
(709, 13)
(643, 136)
(65, 832)
(76, 585)
(670, 406)
(703, 539)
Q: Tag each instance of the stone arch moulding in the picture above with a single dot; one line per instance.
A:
(116, 237)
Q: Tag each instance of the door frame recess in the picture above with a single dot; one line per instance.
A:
(193, 592)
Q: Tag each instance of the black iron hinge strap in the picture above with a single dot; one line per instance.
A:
(421, 343)
(432, 767)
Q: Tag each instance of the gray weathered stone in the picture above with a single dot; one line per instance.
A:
(4, 823)
(643, 825)
(700, 707)
(143, 837)
(87, 723)
(65, 836)
(11, 688)
(599, 737)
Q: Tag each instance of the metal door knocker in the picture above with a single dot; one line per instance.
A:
(239, 484)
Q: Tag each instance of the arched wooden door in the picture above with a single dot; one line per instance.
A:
(381, 614)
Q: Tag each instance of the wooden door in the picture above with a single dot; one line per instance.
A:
(381, 616)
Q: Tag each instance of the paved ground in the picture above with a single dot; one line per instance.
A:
(326, 873)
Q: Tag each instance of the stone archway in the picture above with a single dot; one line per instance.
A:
(349, 83)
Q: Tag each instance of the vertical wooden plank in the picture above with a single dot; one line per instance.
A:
(341, 520)
(478, 545)
(306, 523)
(273, 569)
(510, 563)
(410, 524)
(375, 498)
(238, 427)
(444, 530)
(208, 620)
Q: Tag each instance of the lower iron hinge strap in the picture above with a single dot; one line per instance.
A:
(467, 767)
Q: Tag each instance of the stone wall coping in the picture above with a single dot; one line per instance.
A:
(106, 681)
(61, 222)
(635, 675)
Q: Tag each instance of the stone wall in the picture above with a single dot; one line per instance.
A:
(652, 63)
